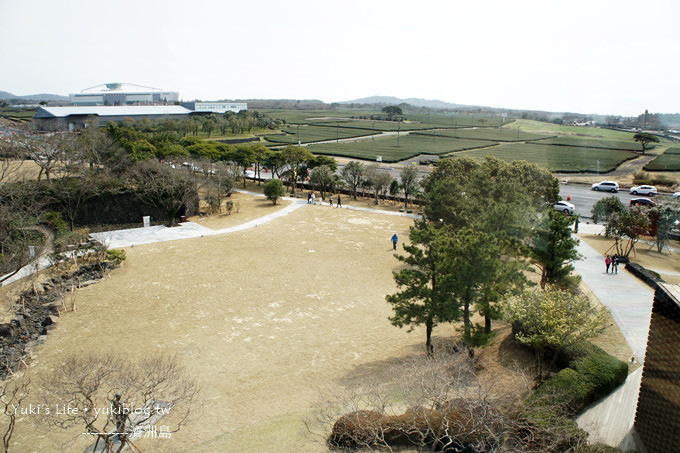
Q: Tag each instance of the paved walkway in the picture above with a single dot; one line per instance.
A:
(186, 230)
(630, 303)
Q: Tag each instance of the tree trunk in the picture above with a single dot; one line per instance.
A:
(487, 323)
(428, 338)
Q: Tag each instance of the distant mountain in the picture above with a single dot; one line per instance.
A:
(34, 97)
(416, 102)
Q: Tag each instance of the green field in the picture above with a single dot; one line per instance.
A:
(570, 140)
(19, 114)
(387, 126)
(488, 133)
(409, 146)
(311, 134)
(668, 161)
(559, 159)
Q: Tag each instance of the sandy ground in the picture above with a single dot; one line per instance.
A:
(267, 319)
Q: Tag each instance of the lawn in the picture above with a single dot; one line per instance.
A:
(668, 161)
(408, 146)
(559, 159)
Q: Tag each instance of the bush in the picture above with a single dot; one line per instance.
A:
(640, 177)
(116, 256)
(591, 375)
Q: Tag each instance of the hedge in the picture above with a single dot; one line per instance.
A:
(591, 375)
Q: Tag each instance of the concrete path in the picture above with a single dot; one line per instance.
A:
(630, 302)
(186, 230)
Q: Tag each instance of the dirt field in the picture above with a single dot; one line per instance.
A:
(265, 318)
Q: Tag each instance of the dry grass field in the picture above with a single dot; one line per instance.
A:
(268, 320)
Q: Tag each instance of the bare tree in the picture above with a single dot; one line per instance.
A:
(159, 186)
(115, 399)
(440, 403)
(13, 392)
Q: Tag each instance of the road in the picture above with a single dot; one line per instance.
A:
(584, 198)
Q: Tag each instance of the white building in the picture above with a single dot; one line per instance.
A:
(215, 107)
(123, 94)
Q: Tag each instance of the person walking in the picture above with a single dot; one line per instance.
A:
(394, 240)
(608, 262)
(309, 198)
(313, 199)
(339, 202)
(330, 200)
(615, 264)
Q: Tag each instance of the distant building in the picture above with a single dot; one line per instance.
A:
(76, 117)
(123, 94)
(215, 107)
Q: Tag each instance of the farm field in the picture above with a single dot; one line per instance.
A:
(560, 159)
(409, 146)
(668, 161)
(541, 127)
(488, 133)
(310, 134)
(627, 145)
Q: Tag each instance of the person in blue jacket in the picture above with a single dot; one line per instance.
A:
(395, 238)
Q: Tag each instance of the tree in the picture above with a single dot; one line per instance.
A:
(159, 186)
(550, 321)
(408, 178)
(275, 162)
(426, 294)
(392, 110)
(499, 199)
(553, 248)
(645, 138)
(630, 223)
(110, 394)
(244, 157)
(274, 190)
(295, 157)
(323, 178)
(13, 392)
(209, 126)
(605, 208)
(320, 160)
(379, 179)
(352, 174)
(664, 219)
(221, 185)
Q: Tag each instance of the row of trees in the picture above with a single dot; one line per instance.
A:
(484, 223)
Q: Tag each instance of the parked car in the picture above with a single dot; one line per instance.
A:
(564, 206)
(650, 191)
(676, 194)
(607, 186)
(642, 202)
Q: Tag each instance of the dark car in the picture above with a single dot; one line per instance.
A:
(642, 202)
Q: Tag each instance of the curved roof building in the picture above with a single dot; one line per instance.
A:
(123, 94)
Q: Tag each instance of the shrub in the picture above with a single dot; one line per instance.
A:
(640, 177)
(591, 375)
(116, 256)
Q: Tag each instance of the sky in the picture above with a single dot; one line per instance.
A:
(592, 56)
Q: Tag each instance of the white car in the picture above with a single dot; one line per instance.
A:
(676, 194)
(607, 186)
(650, 191)
(564, 206)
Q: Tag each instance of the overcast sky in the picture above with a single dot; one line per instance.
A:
(591, 56)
